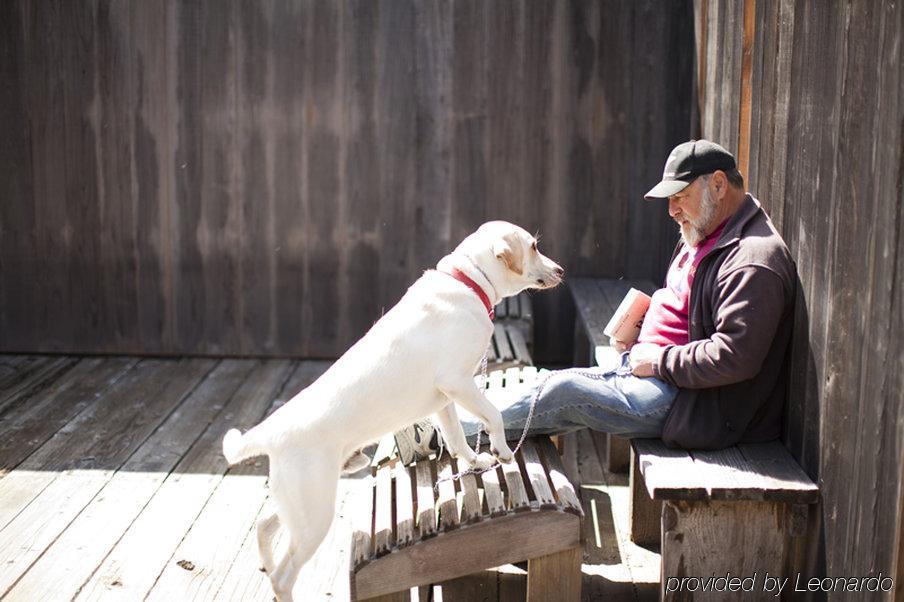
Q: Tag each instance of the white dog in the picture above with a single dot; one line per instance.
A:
(418, 359)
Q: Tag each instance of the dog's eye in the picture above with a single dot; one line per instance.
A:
(534, 246)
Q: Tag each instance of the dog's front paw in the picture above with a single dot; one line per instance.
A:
(482, 461)
(505, 454)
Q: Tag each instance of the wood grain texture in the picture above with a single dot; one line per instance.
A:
(555, 576)
(52, 408)
(491, 543)
(644, 512)
(225, 178)
(831, 182)
(742, 538)
(77, 552)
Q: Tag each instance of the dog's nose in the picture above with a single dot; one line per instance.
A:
(559, 271)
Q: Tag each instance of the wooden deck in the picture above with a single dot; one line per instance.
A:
(112, 486)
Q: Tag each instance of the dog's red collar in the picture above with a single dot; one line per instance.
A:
(464, 279)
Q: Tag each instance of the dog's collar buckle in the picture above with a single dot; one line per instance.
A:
(464, 279)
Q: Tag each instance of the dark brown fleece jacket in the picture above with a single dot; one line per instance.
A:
(732, 376)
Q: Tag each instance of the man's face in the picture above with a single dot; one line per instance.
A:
(693, 209)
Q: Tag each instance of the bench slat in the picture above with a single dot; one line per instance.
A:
(426, 509)
(362, 524)
(521, 531)
(668, 473)
(383, 539)
(470, 499)
(525, 308)
(519, 346)
(749, 472)
(495, 379)
(501, 310)
(562, 486)
(493, 492)
(448, 508)
(515, 484)
(727, 475)
(537, 475)
(492, 356)
(785, 479)
(404, 505)
(509, 538)
(512, 378)
(504, 350)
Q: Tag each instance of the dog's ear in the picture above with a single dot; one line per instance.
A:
(508, 249)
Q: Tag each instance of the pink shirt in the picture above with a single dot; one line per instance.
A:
(666, 320)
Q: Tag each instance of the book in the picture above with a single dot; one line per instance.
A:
(628, 318)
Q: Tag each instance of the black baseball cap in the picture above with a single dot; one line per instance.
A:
(686, 163)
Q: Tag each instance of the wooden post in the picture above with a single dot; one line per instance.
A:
(555, 577)
(644, 513)
(618, 454)
(746, 91)
(714, 538)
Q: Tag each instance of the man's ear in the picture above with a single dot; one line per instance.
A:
(720, 183)
(508, 249)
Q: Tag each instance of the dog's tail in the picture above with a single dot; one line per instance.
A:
(237, 447)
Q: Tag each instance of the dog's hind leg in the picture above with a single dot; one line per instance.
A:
(266, 529)
(306, 500)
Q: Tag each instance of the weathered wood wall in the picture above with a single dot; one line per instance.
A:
(826, 145)
(266, 177)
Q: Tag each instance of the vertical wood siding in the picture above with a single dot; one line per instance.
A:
(827, 161)
(266, 178)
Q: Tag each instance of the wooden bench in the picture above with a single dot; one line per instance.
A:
(408, 534)
(513, 333)
(595, 300)
(739, 510)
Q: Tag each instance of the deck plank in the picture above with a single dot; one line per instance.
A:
(215, 540)
(30, 379)
(111, 429)
(72, 558)
(30, 427)
(133, 412)
(146, 548)
(202, 560)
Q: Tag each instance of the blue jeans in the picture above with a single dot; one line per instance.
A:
(610, 400)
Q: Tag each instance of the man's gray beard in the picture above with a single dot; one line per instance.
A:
(694, 231)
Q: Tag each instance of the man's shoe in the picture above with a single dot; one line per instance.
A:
(418, 441)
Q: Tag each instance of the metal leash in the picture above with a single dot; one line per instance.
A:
(533, 405)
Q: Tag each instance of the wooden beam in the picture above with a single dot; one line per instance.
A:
(898, 564)
(746, 69)
(510, 538)
(555, 576)
(702, 45)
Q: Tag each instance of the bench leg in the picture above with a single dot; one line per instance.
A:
(715, 538)
(644, 513)
(555, 577)
(618, 454)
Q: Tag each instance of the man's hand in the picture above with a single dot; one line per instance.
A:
(618, 345)
(642, 357)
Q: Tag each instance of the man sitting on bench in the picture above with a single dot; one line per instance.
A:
(708, 369)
